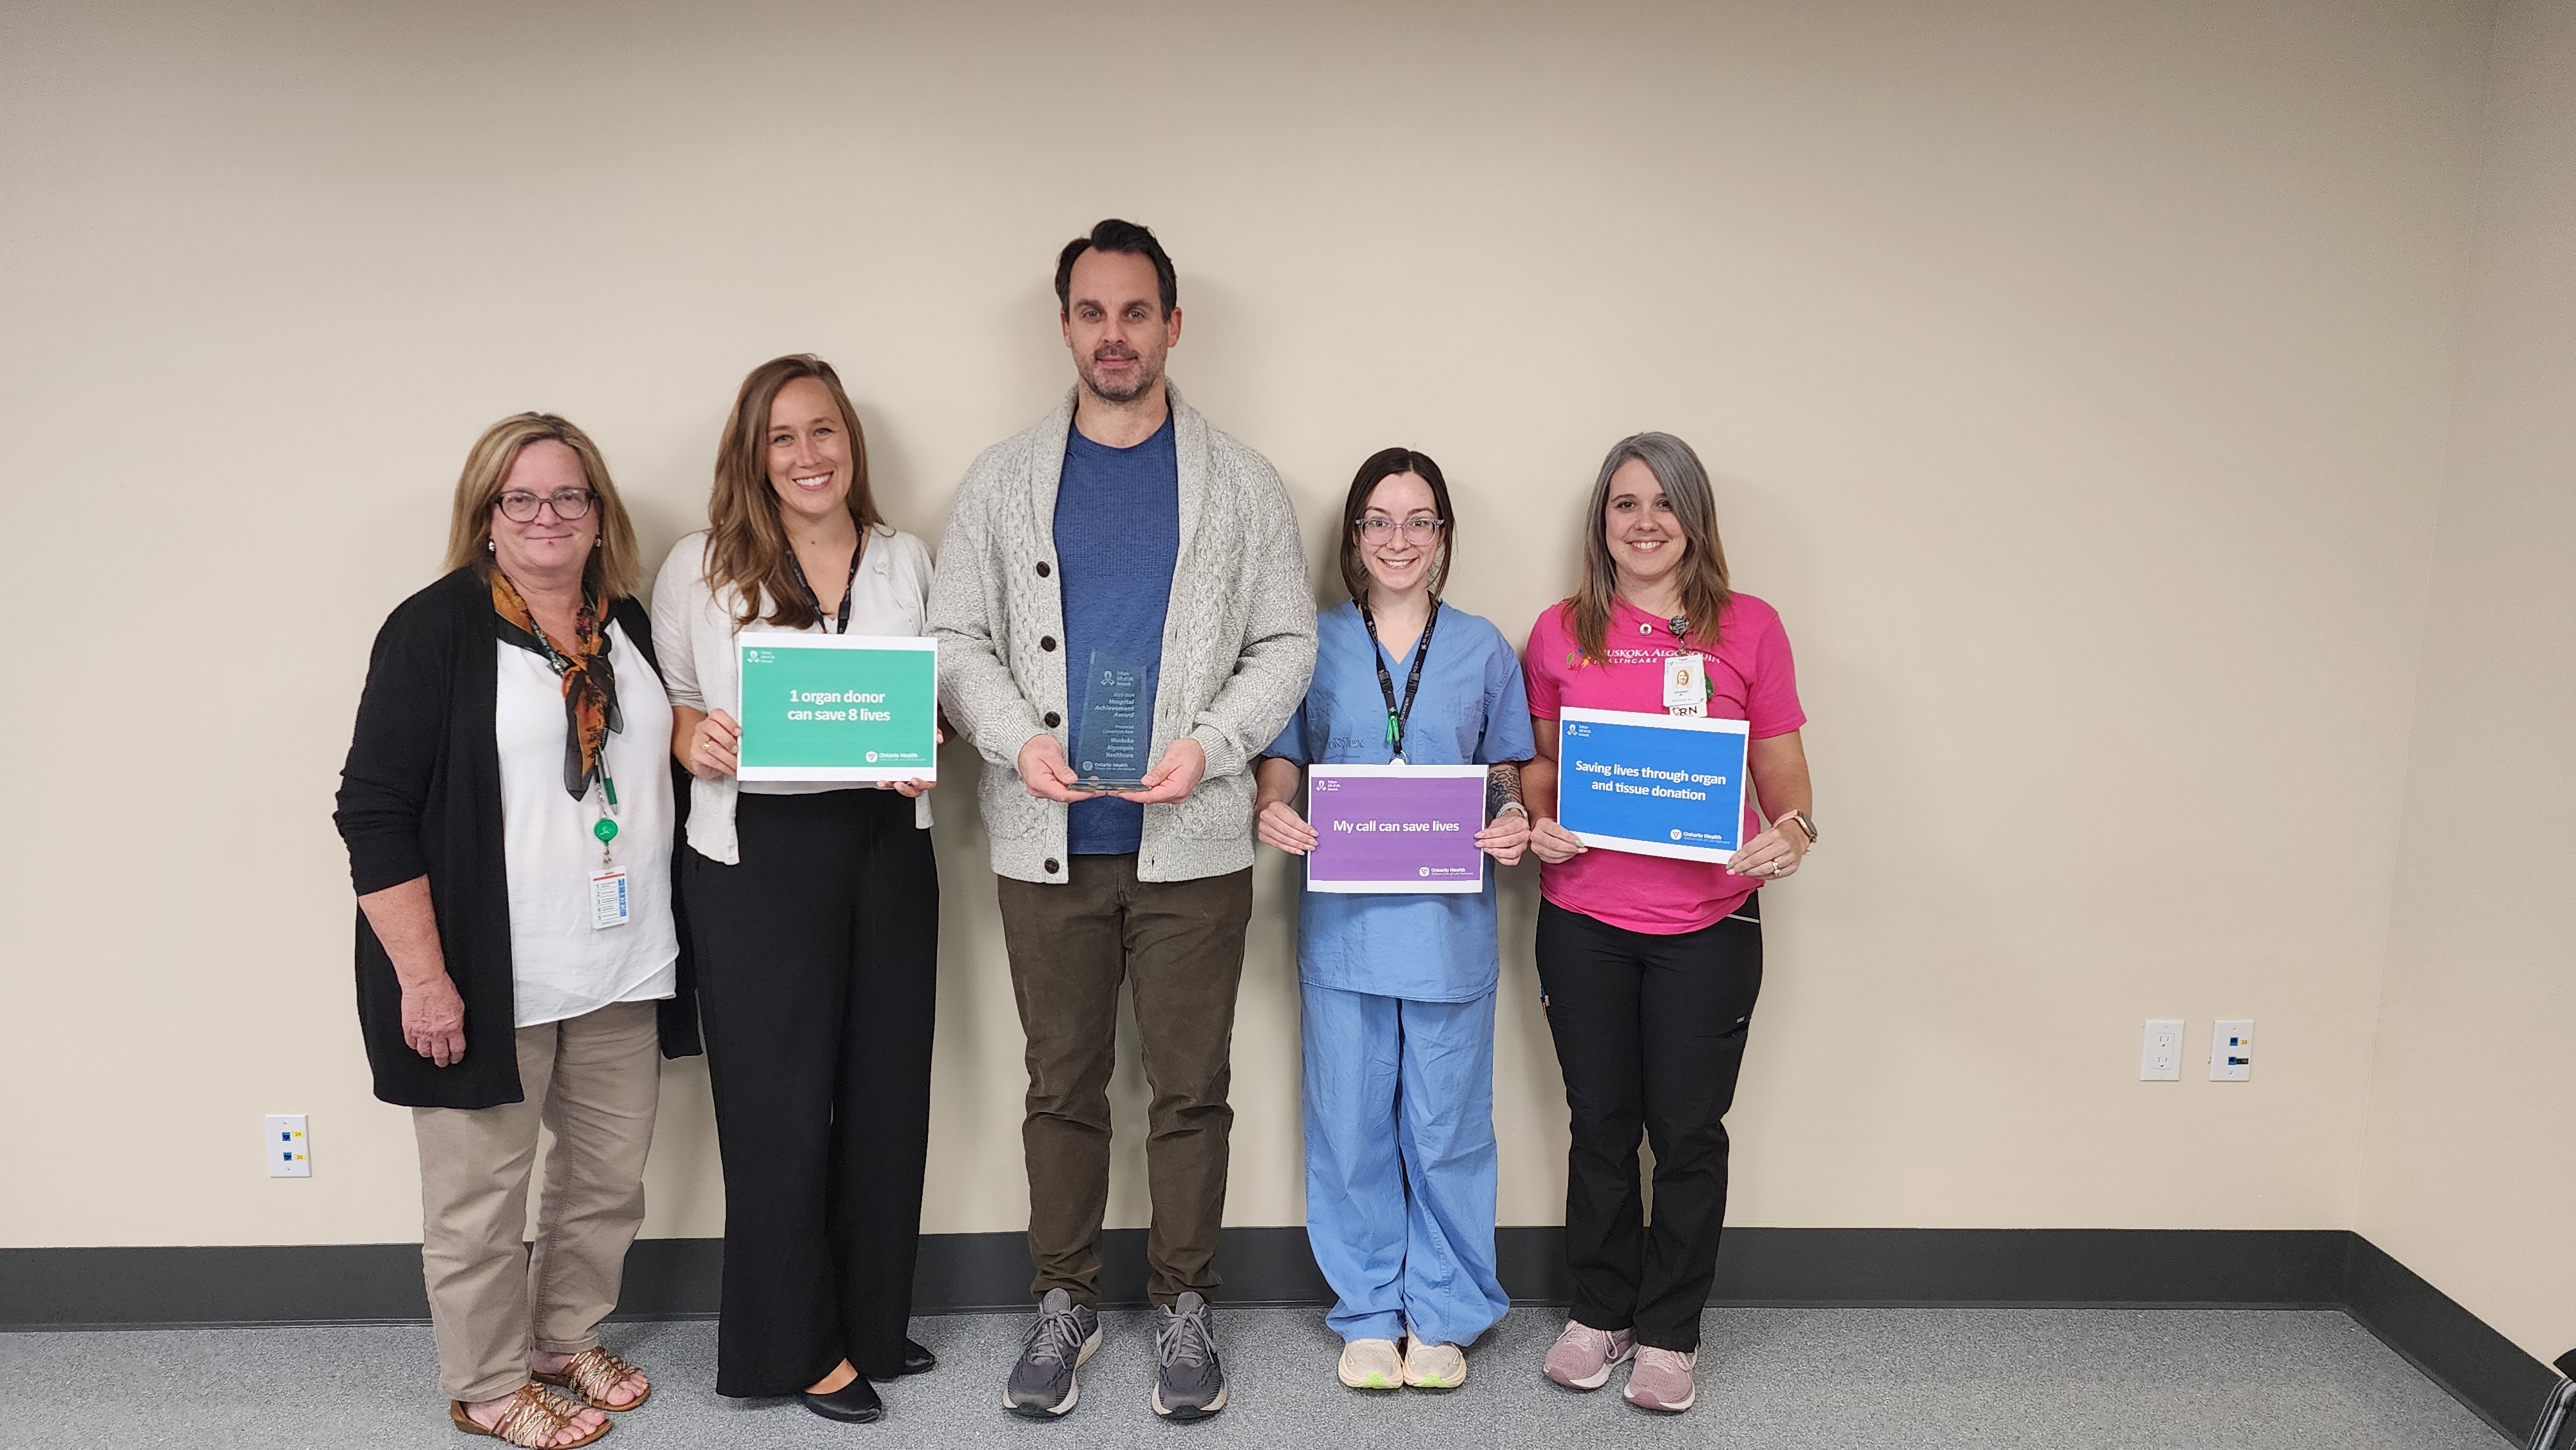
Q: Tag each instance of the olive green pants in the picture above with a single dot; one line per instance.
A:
(1178, 945)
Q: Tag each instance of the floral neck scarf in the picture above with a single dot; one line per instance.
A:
(589, 685)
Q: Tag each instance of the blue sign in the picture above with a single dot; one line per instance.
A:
(1655, 785)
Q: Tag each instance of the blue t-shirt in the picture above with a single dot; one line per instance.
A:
(1471, 710)
(1117, 539)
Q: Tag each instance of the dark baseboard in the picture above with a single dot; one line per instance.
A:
(676, 1278)
(2453, 1347)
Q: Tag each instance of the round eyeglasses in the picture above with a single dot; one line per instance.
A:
(1420, 531)
(520, 506)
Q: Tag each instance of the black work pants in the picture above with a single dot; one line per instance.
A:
(1650, 1034)
(818, 962)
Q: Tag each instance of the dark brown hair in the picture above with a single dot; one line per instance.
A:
(1113, 235)
(746, 541)
(1382, 465)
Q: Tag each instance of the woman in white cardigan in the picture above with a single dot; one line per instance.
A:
(814, 910)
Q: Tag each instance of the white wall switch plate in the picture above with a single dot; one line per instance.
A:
(2160, 1055)
(290, 1148)
(2231, 1050)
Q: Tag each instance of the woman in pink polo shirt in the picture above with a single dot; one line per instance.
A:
(1649, 967)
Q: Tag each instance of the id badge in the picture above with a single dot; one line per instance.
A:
(1685, 684)
(608, 903)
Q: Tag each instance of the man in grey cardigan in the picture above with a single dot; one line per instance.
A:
(1123, 542)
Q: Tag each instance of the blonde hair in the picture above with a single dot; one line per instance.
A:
(1703, 566)
(613, 569)
(746, 541)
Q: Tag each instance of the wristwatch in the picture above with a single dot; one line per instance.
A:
(1512, 806)
(1805, 822)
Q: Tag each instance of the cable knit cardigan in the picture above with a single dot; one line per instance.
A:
(1238, 641)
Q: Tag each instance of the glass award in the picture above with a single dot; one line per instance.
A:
(1110, 736)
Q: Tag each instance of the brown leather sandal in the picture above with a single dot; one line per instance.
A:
(591, 1374)
(530, 1420)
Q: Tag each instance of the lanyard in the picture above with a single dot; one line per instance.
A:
(847, 590)
(1397, 715)
(606, 829)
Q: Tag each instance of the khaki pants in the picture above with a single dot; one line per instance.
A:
(594, 1081)
(1179, 947)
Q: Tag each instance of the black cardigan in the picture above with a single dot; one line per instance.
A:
(421, 796)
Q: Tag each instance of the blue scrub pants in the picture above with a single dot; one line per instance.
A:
(1400, 1163)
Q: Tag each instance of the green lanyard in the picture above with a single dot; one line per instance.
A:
(606, 830)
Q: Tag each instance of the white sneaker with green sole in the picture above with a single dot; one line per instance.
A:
(1371, 1364)
(1434, 1366)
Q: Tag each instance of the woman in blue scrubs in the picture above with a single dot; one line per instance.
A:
(1398, 990)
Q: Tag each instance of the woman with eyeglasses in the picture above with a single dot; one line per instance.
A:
(508, 806)
(1649, 966)
(1398, 990)
(815, 910)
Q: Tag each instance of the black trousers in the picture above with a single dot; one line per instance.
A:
(1650, 1034)
(818, 964)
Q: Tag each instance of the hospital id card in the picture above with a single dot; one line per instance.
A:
(609, 905)
(1685, 684)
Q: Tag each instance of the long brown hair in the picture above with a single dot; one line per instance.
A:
(613, 568)
(746, 541)
(1382, 465)
(1703, 566)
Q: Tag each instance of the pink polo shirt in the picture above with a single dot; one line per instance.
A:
(1751, 678)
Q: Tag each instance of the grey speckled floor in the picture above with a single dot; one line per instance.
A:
(1778, 1379)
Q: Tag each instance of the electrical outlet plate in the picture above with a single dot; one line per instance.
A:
(2160, 1054)
(290, 1147)
(2231, 1050)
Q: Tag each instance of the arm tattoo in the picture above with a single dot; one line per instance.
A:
(1503, 788)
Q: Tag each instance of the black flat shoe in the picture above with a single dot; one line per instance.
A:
(855, 1403)
(916, 1360)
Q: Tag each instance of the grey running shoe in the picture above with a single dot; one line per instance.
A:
(1189, 1384)
(1043, 1384)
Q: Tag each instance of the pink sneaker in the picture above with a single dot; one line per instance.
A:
(1582, 1356)
(1662, 1380)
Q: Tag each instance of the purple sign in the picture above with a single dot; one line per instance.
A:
(1395, 828)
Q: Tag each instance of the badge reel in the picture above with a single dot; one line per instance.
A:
(1685, 685)
(609, 905)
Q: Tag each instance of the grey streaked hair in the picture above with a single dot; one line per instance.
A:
(1704, 588)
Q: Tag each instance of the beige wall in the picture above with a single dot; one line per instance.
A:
(2076, 380)
(2468, 1177)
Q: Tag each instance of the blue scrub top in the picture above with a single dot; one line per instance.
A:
(1471, 710)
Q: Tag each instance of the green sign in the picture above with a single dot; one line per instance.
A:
(838, 707)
